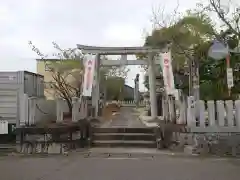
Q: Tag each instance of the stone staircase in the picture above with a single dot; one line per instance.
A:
(124, 137)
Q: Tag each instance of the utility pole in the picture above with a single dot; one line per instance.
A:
(190, 79)
(194, 87)
(194, 93)
(195, 82)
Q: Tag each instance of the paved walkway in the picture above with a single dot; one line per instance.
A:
(75, 167)
(127, 117)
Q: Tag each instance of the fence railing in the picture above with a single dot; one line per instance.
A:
(213, 116)
(34, 110)
(129, 103)
(200, 116)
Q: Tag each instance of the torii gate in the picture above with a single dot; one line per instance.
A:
(123, 51)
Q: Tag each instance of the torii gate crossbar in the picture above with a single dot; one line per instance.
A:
(150, 51)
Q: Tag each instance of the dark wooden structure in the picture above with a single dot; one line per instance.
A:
(55, 137)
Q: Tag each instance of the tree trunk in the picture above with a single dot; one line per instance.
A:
(69, 103)
(68, 115)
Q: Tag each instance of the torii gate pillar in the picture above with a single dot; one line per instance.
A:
(152, 85)
(98, 51)
(96, 90)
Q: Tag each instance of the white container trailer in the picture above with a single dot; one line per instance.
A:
(14, 85)
(33, 84)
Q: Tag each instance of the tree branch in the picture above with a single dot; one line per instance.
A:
(216, 4)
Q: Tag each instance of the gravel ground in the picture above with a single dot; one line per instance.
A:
(76, 166)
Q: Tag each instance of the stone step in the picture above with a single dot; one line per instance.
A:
(122, 143)
(124, 136)
(123, 130)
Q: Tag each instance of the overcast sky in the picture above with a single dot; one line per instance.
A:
(69, 22)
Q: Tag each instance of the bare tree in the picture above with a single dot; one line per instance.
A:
(161, 19)
(67, 73)
(228, 12)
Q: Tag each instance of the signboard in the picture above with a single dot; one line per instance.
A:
(218, 50)
(167, 72)
(88, 75)
(230, 77)
(195, 82)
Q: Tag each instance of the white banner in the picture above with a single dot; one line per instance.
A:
(89, 75)
(167, 72)
(230, 78)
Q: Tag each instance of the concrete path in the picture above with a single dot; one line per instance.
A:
(127, 117)
(76, 166)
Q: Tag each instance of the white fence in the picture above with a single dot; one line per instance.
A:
(79, 109)
(130, 103)
(36, 110)
(212, 116)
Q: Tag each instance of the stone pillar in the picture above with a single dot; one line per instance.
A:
(136, 90)
(75, 109)
(237, 113)
(96, 89)
(59, 103)
(152, 86)
(172, 110)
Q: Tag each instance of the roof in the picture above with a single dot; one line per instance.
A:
(50, 59)
(121, 50)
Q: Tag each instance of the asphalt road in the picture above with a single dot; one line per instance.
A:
(127, 117)
(75, 167)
